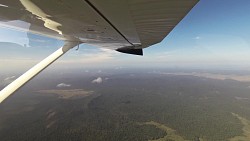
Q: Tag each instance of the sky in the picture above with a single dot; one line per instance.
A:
(215, 33)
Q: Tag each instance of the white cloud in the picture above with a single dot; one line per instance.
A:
(63, 85)
(3, 5)
(118, 68)
(97, 55)
(97, 80)
(37, 40)
(197, 37)
(9, 78)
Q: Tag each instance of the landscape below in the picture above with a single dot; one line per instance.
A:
(127, 105)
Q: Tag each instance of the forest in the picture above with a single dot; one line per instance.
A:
(188, 107)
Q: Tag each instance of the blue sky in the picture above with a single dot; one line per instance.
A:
(216, 33)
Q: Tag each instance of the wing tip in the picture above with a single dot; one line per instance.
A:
(130, 50)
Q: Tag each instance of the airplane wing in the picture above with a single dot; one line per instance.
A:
(127, 26)
(113, 24)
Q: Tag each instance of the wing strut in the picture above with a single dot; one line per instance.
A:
(20, 81)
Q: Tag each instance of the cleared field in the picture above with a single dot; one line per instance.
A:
(171, 133)
(245, 129)
(68, 94)
(243, 78)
